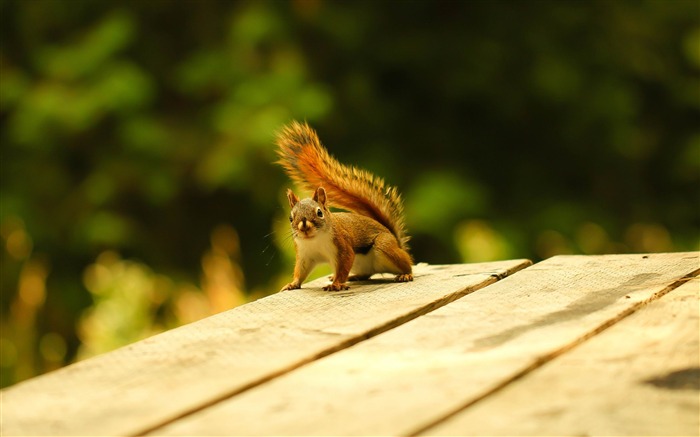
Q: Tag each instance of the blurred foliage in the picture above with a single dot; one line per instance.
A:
(138, 190)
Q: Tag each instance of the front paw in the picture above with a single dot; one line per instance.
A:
(336, 286)
(291, 286)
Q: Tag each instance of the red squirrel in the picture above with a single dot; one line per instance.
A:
(369, 239)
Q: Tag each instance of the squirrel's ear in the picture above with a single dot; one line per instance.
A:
(320, 196)
(293, 199)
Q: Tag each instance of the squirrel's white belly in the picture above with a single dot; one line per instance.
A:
(372, 262)
(364, 264)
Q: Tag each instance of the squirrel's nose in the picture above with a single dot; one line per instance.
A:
(303, 225)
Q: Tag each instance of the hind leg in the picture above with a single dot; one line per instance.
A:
(392, 258)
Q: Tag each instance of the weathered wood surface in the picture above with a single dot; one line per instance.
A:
(640, 377)
(155, 381)
(413, 377)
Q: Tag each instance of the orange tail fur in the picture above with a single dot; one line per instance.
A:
(309, 164)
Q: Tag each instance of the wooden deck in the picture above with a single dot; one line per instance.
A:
(574, 345)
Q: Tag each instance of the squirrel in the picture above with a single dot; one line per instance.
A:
(369, 239)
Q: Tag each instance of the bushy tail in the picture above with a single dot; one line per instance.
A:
(309, 164)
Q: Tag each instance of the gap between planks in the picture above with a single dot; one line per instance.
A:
(544, 359)
(638, 378)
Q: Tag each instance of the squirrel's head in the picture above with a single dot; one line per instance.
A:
(309, 216)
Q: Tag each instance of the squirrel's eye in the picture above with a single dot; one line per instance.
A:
(319, 212)
(290, 218)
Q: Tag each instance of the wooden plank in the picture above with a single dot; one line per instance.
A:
(409, 378)
(640, 377)
(139, 387)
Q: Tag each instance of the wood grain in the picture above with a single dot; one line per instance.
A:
(412, 377)
(640, 377)
(139, 387)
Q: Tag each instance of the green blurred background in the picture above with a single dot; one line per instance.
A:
(138, 186)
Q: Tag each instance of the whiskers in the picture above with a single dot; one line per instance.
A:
(285, 241)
